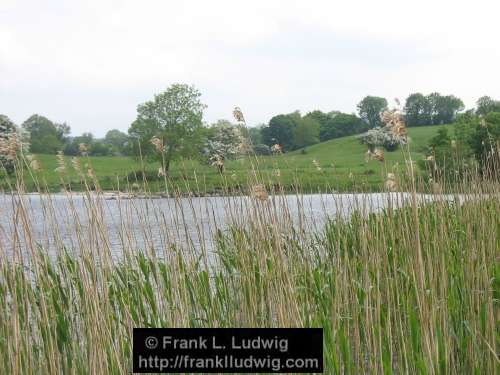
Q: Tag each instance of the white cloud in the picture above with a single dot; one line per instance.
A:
(91, 62)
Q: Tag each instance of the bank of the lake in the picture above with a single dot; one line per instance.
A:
(341, 162)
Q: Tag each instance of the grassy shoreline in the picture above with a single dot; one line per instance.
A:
(343, 169)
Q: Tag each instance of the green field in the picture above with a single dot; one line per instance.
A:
(342, 163)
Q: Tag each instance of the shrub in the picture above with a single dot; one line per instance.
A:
(446, 158)
(262, 149)
(380, 137)
(140, 175)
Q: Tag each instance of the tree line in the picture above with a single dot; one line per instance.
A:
(174, 120)
(472, 144)
(49, 137)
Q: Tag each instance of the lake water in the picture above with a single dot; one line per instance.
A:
(80, 223)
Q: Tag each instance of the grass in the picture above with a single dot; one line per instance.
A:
(341, 160)
(408, 290)
(413, 290)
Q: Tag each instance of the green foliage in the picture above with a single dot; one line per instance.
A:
(280, 131)
(395, 292)
(485, 143)
(338, 157)
(444, 108)
(73, 145)
(418, 110)
(46, 137)
(100, 148)
(370, 108)
(292, 131)
(431, 109)
(336, 124)
(485, 105)
(118, 141)
(444, 159)
(306, 132)
(474, 137)
(175, 117)
(255, 134)
(261, 149)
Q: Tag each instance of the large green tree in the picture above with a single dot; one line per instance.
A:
(336, 124)
(485, 105)
(173, 116)
(306, 132)
(46, 137)
(444, 108)
(418, 110)
(280, 130)
(117, 140)
(370, 108)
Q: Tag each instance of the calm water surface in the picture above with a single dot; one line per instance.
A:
(77, 222)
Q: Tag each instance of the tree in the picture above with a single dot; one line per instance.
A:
(280, 130)
(444, 108)
(262, 149)
(100, 148)
(485, 141)
(255, 134)
(6, 126)
(418, 110)
(370, 108)
(323, 119)
(224, 141)
(444, 161)
(117, 140)
(485, 105)
(440, 139)
(73, 146)
(337, 124)
(476, 138)
(7, 153)
(175, 118)
(380, 137)
(46, 137)
(306, 132)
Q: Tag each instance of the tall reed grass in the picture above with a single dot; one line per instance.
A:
(412, 289)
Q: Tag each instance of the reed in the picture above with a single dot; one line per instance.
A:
(410, 289)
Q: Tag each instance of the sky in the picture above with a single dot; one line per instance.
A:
(90, 63)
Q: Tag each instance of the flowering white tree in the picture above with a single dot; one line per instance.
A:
(389, 136)
(380, 137)
(10, 144)
(224, 142)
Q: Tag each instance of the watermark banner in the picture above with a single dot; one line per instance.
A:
(224, 350)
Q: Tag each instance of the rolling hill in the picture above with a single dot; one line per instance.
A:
(341, 162)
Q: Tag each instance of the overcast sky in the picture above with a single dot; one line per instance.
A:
(91, 62)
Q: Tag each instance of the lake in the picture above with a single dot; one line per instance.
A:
(94, 223)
